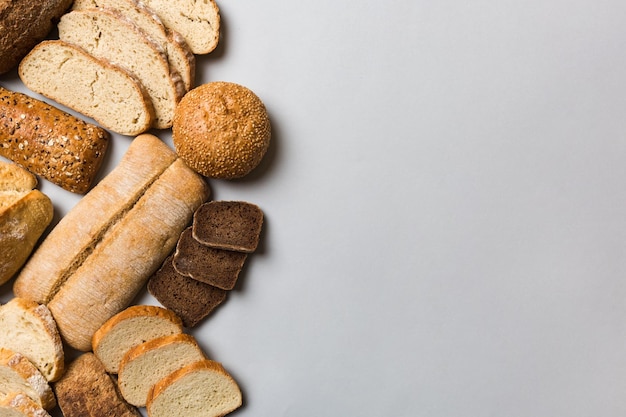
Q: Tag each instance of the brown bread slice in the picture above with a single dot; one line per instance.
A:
(190, 299)
(231, 225)
(86, 390)
(216, 267)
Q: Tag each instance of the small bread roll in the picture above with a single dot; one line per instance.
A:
(221, 130)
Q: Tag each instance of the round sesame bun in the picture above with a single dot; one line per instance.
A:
(221, 130)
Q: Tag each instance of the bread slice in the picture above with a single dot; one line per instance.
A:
(15, 178)
(198, 21)
(201, 389)
(216, 267)
(180, 57)
(146, 364)
(107, 35)
(93, 87)
(131, 327)
(86, 390)
(190, 299)
(28, 328)
(230, 225)
(18, 374)
(18, 404)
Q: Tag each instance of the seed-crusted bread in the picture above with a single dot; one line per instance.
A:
(190, 299)
(106, 34)
(231, 225)
(93, 87)
(201, 389)
(86, 390)
(216, 267)
(198, 21)
(146, 364)
(18, 374)
(29, 328)
(131, 327)
(180, 57)
(18, 404)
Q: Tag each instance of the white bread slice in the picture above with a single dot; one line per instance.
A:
(28, 328)
(129, 328)
(146, 364)
(107, 35)
(180, 57)
(201, 389)
(18, 374)
(18, 404)
(197, 21)
(93, 87)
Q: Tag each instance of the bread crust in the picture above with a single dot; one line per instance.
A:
(30, 381)
(19, 404)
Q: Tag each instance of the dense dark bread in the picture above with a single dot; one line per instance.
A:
(216, 267)
(190, 299)
(232, 225)
(86, 390)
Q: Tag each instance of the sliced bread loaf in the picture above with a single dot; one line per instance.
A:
(18, 374)
(93, 87)
(146, 364)
(201, 389)
(131, 327)
(29, 328)
(106, 34)
(18, 404)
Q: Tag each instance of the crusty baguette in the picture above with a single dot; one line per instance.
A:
(50, 142)
(18, 404)
(18, 374)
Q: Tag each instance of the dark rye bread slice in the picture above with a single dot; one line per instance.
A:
(86, 390)
(216, 267)
(231, 225)
(190, 299)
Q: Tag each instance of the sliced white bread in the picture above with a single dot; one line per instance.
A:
(197, 21)
(131, 327)
(178, 52)
(18, 404)
(18, 374)
(201, 389)
(146, 364)
(29, 328)
(107, 35)
(93, 87)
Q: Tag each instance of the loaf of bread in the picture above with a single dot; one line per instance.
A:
(18, 404)
(23, 23)
(90, 86)
(50, 142)
(106, 34)
(86, 390)
(95, 261)
(146, 364)
(129, 328)
(25, 213)
(28, 328)
(18, 374)
(201, 389)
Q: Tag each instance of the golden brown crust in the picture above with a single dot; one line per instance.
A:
(137, 351)
(221, 130)
(34, 383)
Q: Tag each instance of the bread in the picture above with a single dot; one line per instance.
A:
(18, 374)
(231, 225)
(106, 35)
(221, 130)
(146, 364)
(50, 142)
(198, 22)
(131, 327)
(23, 23)
(190, 299)
(86, 390)
(201, 389)
(18, 404)
(180, 57)
(95, 261)
(29, 328)
(217, 267)
(25, 213)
